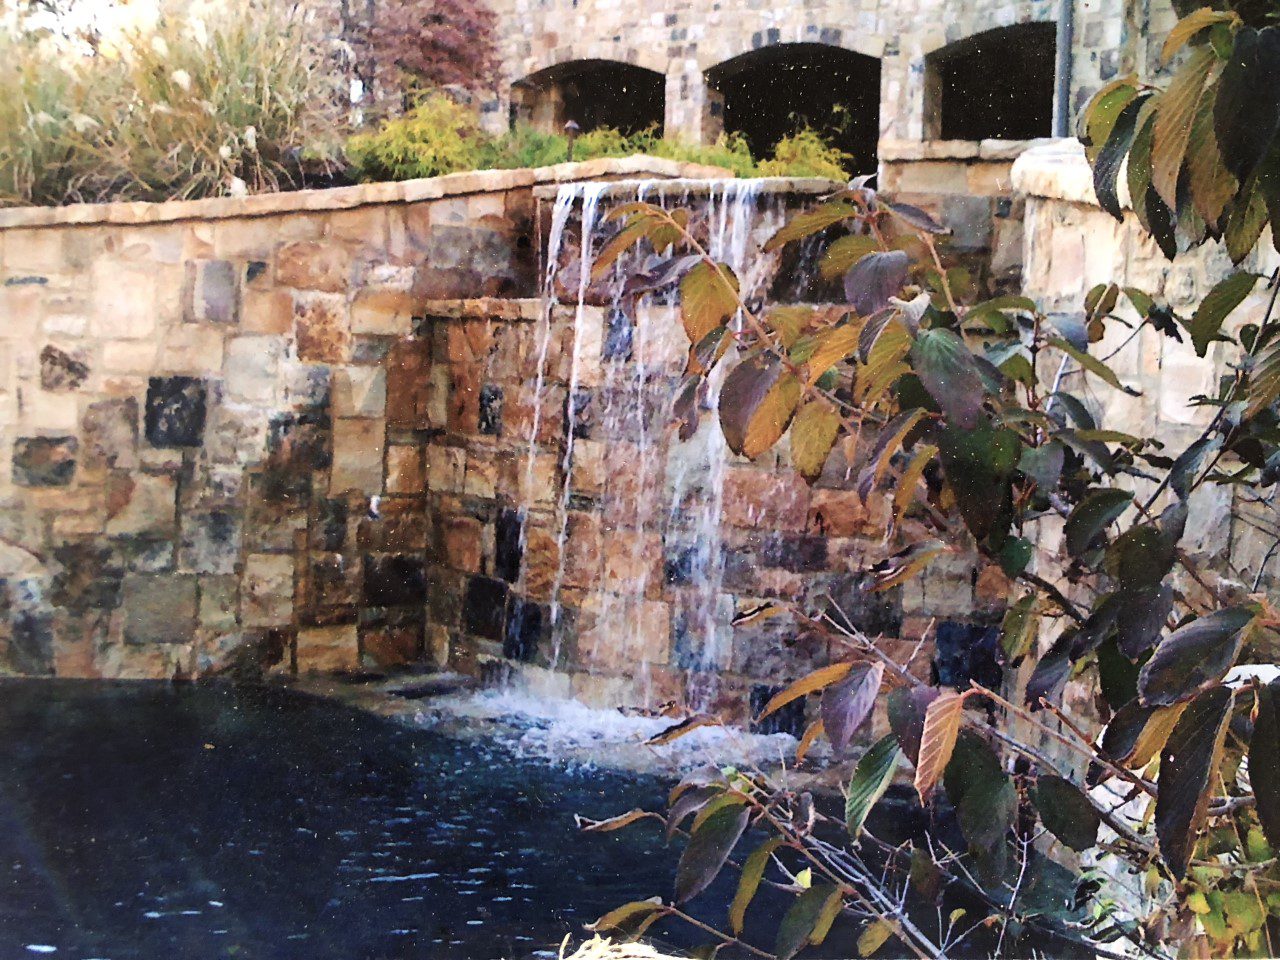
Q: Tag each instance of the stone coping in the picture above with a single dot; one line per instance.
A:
(1058, 170)
(529, 308)
(700, 186)
(347, 198)
(905, 151)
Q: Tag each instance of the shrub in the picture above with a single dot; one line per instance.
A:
(437, 136)
(177, 112)
(806, 154)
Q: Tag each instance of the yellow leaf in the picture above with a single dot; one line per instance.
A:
(873, 937)
(810, 683)
(827, 916)
(813, 433)
(708, 298)
(628, 911)
(805, 878)
(810, 222)
(615, 823)
(905, 495)
(807, 741)
(770, 419)
(830, 347)
(844, 253)
(663, 234)
(682, 728)
(789, 321)
(752, 873)
(637, 229)
(942, 722)
(884, 362)
(1153, 736)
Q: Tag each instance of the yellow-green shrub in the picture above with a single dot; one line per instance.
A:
(806, 154)
(437, 136)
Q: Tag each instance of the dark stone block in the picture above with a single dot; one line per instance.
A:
(90, 577)
(507, 547)
(300, 442)
(254, 270)
(788, 719)
(145, 555)
(484, 607)
(44, 461)
(175, 414)
(59, 370)
(524, 629)
(580, 412)
(159, 608)
(329, 527)
(875, 614)
(392, 580)
(965, 652)
(798, 554)
(211, 541)
(491, 410)
(333, 582)
(619, 335)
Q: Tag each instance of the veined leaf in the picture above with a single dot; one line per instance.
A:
(905, 494)
(848, 703)
(636, 229)
(1091, 516)
(708, 850)
(1188, 764)
(810, 683)
(813, 433)
(950, 374)
(871, 778)
(1019, 628)
(1092, 364)
(844, 253)
(1217, 306)
(1244, 228)
(665, 234)
(1110, 159)
(830, 347)
(1178, 107)
(906, 709)
(789, 321)
(1209, 182)
(1264, 385)
(752, 873)
(942, 720)
(1194, 655)
(708, 298)
(887, 444)
(873, 937)
(801, 920)
(1264, 762)
(757, 401)
(873, 280)
(1189, 26)
(1066, 812)
(1103, 110)
(984, 797)
(619, 917)
(1154, 735)
(810, 222)
(904, 565)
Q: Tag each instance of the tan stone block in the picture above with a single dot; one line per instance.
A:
(34, 252)
(357, 456)
(141, 503)
(631, 558)
(584, 548)
(190, 348)
(124, 356)
(841, 513)
(328, 649)
(21, 312)
(990, 179)
(480, 479)
(359, 392)
(267, 311)
(237, 239)
(313, 266)
(322, 329)
(406, 472)
(252, 370)
(933, 176)
(386, 312)
(266, 598)
(366, 226)
(43, 410)
(128, 310)
(437, 644)
(462, 543)
(541, 559)
(755, 498)
(446, 468)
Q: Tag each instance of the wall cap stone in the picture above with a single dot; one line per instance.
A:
(347, 198)
(1057, 170)
(485, 307)
(701, 185)
(906, 151)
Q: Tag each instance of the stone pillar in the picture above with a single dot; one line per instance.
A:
(694, 112)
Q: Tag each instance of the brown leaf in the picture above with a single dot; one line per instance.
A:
(942, 720)
(1177, 113)
(680, 729)
(619, 916)
(904, 564)
(615, 823)
(887, 445)
(906, 708)
(905, 495)
(811, 222)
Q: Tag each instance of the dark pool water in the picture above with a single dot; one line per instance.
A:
(156, 821)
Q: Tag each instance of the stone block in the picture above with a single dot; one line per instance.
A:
(527, 623)
(393, 580)
(211, 292)
(175, 411)
(60, 370)
(328, 649)
(384, 312)
(219, 603)
(406, 469)
(132, 315)
(359, 392)
(159, 608)
(357, 456)
(267, 311)
(44, 461)
(211, 541)
(970, 219)
(462, 540)
(490, 422)
(508, 548)
(391, 646)
(484, 608)
(481, 477)
(322, 329)
(47, 413)
(313, 266)
(139, 503)
(251, 373)
(446, 469)
(191, 348)
(267, 590)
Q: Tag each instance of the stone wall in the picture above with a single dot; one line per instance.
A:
(213, 418)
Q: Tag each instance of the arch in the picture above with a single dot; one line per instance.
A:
(998, 84)
(774, 90)
(592, 92)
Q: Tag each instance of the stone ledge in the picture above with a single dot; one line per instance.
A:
(1058, 170)
(702, 185)
(347, 198)
(484, 307)
(907, 151)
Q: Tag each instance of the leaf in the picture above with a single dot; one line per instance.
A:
(810, 683)
(1264, 762)
(1090, 517)
(752, 873)
(1124, 730)
(686, 726)
(984, 798)
(871, 778)
(1043, 464)
(635, 230)
(616, 918)
(916, 217)
(708, 850)
(846, 705)
(1142, 617)
(1209, 182)
(948, 371)
(844, 253)
(811, 734)
(616, 823)
(903, 565)
(1264, 385)
(708, 298)
(1189, 26)
(979, 466)
(757, 401)
(905, 495)
(906, 709)
(1217, 306)
(811, 222)
(1019, 628)
(887, 444)
(1066, 812)
(831, 346)
(1247, 115)
(1178, 107)
(942, 721)
(1193, 656)
(873, 937)
(873, 280)
(830, 910)
(1110, 160)
(1092, 364)
(1154, 735)
(1015, 555)
(1245, 226)
(789, 321)
(1103, 111)
(687, 804)
(813, 433)
(801, 919)
(1188, 764)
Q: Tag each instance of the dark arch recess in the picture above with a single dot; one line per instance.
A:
(773, 91)
(994, 85)
(593, 93)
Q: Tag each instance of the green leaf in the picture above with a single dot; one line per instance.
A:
(811, 222)
(1015, 555)
(984, 797)
(1102, 114)
(979, 464)
(813, 433)
(1066, 812)
(708, 849)
(1189, 27)
(949, 372)
(1141, 619)
(1245, 226)
(1187, 766)
(1264, 384)
(1194, 655)
(1110, 160)
(844, 253)
(871, 778)
(1247, 115)
(1019, 628)
(1092, 364)
(752, 873)
(1217, 306)
(801, 920)
(1264, 761)
(1043, 464)
(1090, 517)
(847, 704)
(757, 401)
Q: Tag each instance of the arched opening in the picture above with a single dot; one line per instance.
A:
(995, 85)
(772, 92)
(592, 93)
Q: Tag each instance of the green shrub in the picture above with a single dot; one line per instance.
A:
(437, 136)
(176, 112)
(806, 154)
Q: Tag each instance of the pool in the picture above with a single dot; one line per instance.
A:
(210, 821)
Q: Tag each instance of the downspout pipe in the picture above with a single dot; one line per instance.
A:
(1062, 69)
